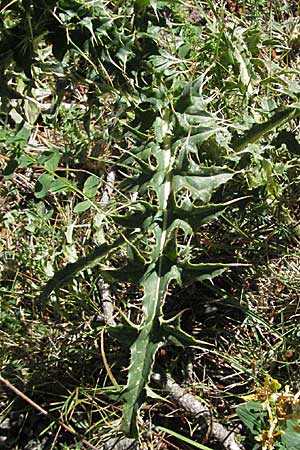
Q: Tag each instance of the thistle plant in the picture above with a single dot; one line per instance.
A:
(173, 199)
(174, 194)
(148, 83)
(174, 191)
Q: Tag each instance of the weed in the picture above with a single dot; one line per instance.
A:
(150, 161)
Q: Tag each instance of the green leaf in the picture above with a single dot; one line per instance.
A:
(123, 54)
(172, 331)
(10, 168)
(247, 74)
(42, 185)
(82, 206)
(142, 3)
(159, 171)
(91, 186)
(202, 271)
(71, 270)
(198, 215)
(200, 187)
(163, 264)
(25, 161)
(291, 436)
(21, 138)
(253, 415)
(50, 159)
(62, 185)
(124, 333)
(161, 128)
(32, 111)
(259, 130)
(136, 215)
(143, 350)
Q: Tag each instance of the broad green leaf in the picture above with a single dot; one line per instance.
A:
(200, 187)
(32, 111)
(82, 206)
(62, 185)
(91, 186)
(21, 138)
(25, 161)
(10, 168)
(253, 415)
(50, 159)
(42, 185)
(291, 436)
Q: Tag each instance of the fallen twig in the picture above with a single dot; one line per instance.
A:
(107, 302)
(193, 407)
(121, 443)
(106, 298)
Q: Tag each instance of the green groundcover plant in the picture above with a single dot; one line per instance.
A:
(175, 194)
(183, 160)
(272, 416)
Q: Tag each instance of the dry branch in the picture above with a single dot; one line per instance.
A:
(194, 408)
(121, 443)
(106, 298)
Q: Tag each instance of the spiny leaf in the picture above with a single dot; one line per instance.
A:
(143, 350)
(198, 215)
(173, 332)
(66, 274)
(136, 215)
(200, 187)
(124, 333)
(259, 130)
(204, 271)
(162, 264)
